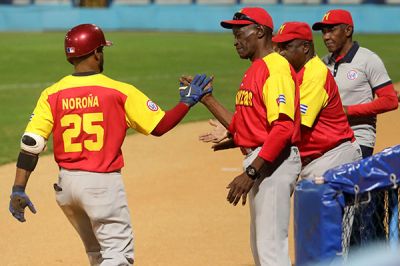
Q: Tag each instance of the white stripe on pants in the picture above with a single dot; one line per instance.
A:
(96, 205)
(269, 201)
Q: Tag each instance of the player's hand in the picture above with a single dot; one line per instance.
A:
(192, 94)
(216, 135)
(239, 188)
(18, 202)
(224, 145)
(185, 80)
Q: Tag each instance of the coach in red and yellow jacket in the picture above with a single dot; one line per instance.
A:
(326, 137)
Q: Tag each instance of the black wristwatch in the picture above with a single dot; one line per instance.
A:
(252, 172)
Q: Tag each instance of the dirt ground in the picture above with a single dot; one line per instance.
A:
(176, 193)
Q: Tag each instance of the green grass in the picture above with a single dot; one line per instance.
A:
(151, 61)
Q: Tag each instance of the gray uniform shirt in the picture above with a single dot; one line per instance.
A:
(358, 75)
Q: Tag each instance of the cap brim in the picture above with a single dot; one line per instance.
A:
(320, 25)
(228, 24)
(283, 38)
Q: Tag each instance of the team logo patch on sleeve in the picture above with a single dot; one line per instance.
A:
(303, 109)
(281, 99)
(152, 106)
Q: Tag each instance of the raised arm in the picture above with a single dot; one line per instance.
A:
(223, 115)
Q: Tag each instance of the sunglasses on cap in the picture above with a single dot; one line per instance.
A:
(241, 16)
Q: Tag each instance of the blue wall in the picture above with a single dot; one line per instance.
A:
(367, 18)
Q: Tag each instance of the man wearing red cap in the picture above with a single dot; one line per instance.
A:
(265, 126)
(360, 75)
(326, 137)
(88, 115)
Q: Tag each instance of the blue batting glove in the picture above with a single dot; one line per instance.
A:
(18, 202)
(193, 93)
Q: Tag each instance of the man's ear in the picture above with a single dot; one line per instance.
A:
(96, 55)
(349, 30)
(306, 47)
(260, 32)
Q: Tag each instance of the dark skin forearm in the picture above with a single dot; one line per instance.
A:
(223, 115)
(21, 177)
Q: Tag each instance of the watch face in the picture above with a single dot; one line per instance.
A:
(251, 171)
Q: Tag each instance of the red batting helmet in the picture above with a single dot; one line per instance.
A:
(84, 39)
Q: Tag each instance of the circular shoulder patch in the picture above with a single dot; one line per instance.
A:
(352, 75)
(152, 106)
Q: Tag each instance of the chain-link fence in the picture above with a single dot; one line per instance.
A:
(370, 217)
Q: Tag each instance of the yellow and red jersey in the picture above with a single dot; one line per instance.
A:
(89, 116)
(324, 123)
(267, 91)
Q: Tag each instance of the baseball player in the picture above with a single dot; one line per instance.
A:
(326, 137)
(360, 75)
(88, 114)
(265, 126)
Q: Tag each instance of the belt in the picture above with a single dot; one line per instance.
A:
(309, 159)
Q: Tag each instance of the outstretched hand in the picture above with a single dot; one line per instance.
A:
(18, 202)
(217, 134)
(198, 87)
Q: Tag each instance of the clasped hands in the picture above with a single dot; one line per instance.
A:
(192, 90)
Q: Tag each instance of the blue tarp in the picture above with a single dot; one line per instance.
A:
(318, 209)
(368, 174)
(318, 223)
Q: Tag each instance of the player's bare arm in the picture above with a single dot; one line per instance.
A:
(223, 115)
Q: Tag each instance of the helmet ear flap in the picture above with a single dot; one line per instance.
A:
(82, 40)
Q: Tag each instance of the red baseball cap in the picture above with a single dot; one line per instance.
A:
(293, 30)
(332, 17)
(249, 15)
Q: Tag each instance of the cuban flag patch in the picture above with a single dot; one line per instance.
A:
(70, 50)
(281, 99)
(303, 109)
(152, 106)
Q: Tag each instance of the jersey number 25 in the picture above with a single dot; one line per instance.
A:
(85, 123)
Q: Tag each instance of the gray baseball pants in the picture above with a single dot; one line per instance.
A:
(96, 206)
(269, 201)
(346, 152)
